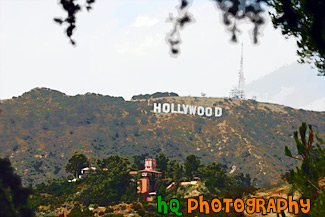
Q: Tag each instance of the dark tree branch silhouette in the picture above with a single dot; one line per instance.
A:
(305, 20)
(184, 17)
(13, 196)
(72, 8)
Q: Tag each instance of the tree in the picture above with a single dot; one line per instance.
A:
(305, 178)
(113, 185)
(303, 19)
(139, 160)
(131, 193)
(77, 211)
(215, 177)
(239, 186)
(162, 163)
(76, 163)
(13, 196)
(241, 180)
(161, 189)
(192, 164)
(174, 170)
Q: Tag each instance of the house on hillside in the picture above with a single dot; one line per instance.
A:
(87, 170)
(149, 177)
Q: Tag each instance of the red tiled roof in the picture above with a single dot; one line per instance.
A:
(149, 171)
(133, 172)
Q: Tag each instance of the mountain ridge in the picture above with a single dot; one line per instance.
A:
(291, 85)
(42, 128)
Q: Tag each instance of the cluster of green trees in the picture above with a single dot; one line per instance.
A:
(112, 183)
(154, 95)
(214, 176)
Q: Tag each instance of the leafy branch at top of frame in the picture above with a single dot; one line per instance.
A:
(232, 10)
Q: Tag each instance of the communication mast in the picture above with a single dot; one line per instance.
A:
(241, 85)
(239, 92)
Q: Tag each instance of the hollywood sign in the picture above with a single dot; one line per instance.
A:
(187, 109)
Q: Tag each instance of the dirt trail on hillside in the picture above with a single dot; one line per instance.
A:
(280, 192)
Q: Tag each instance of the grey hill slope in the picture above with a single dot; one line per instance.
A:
(40, 130)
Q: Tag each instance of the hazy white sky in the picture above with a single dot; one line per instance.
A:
(122, 50)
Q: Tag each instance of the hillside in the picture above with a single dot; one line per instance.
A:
(41, 129)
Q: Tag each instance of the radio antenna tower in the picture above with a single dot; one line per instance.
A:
(241, 84)
(239, 92)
